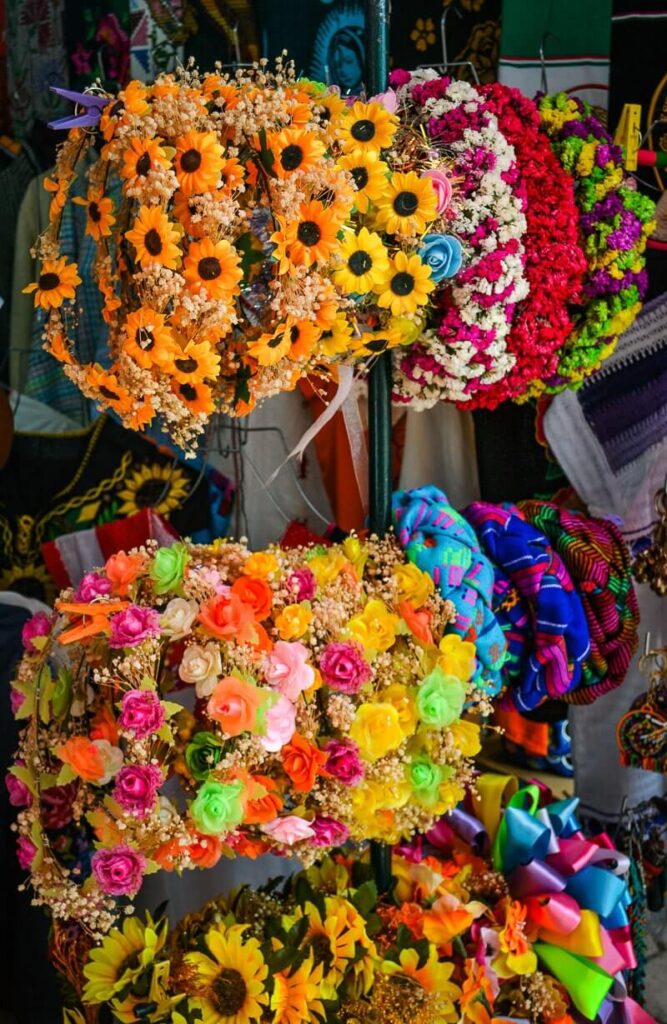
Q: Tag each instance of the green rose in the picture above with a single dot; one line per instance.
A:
(168, 568)
(202, 754)
(440, 699)
(217, 808)
(425, 777)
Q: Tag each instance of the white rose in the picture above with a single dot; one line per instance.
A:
(178, 617)
(201, 666)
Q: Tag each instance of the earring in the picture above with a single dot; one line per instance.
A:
(650, 566)
(642, 732)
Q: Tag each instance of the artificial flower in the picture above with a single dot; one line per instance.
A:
(406, 285)
(288, 830)
(147, 337)
(408, 205)
(141, 713)
(369, 174)
(293, 621)
(178, 618)
(118, 871)
(256, 593)
(140, 158)
(293, 150)
(302, 762)
(456, 657)
(202, 754)
(133, 626)
(228, 616)
(277, 723)
(414, 585)
(230, 976)
(57, 281)
(442, 254)
(286, 669)
(214, 267)
(344, 668)
(367, 126)
(135, 788)
(344, 762)
(218, 807)
(168, 567)
(199, 160)
(364, 260)
(99, 214)
(234, 703)
(376, 730)
(375, 629)
(440, 699)
(154, 238)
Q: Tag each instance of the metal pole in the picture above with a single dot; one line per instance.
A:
(379, 382)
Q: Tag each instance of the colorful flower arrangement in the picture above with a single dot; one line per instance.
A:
(321, 698)
(461, 936)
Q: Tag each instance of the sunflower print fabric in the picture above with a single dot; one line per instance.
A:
(474, 36)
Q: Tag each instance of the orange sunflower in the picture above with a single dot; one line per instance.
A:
(192, 364)
(147, 337)
(197, 397)
(106, 387)
(367, 126)
(58, 348)
(99, 209)
(232, 175)
(155, 238)
(58, 190)
(269, 349)
(57, 282)
(311, 239)
(141, 157)
(215, 266)
(185, 208)
(132, 100)
(199, 160)
(294, 150)
(302, 338)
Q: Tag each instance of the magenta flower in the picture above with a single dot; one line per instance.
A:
(136, 788)
(302, 584)
(329, 832)
(55, 805)
(343, 667)
(19, 794)
(93, 585)
(38, 625)
(119, 871)
(133, 626)
(344, 762)
(16, 699)
(141, 713)
(25, 852)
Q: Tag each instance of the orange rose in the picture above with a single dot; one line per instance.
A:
(264, 804)
(83, 757)
(123, 569)
(205, 851)
(418, 622)
(234, 704)
(256, 593)
(168, 854)
(244, 847)
(228, 616)
(302, 762)
(104, 726)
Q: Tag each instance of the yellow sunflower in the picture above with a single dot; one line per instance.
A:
(367, 126)
(370, 176)
(192, 364)
(230, 982)
(199, 160)
(433, 977)
(215, 266)
(155, 238)
(364, 260)
(57, 282)
(147, 337)
(197, 397)
(336, 940)
(302, 338)
(99, 210)
(338, 340)
(375, 342)
(162, 488)
(331, 107)
(141, 157)
(123, 955)
(269, 348)
(409, 204)
(310, 239)
(406, 286)
(294, 150)
(295, 998)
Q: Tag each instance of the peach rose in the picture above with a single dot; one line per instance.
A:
(228, 616)
(264, 803)
(256, 593)
(234, 703)
(418, 622)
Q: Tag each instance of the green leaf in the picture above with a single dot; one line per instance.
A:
(365, 898)
(46, 690)
(62, 694)
(297, 932)
(65, 775)
(171, 708)
(25, 776)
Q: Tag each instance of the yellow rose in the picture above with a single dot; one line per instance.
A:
(293, 621)
(457, 657)
(262, 564)
(407, 330)
(466, 737)
(375, 628)
(403, 700)
(376, 730)
(356, 553)
(325, 568)
(413, 584)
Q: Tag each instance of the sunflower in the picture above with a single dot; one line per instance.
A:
(99, 210)
(147, 337)
(192, 364)
(199, 160)
(406, 286)
(232, 175)
(311, 239)
(155, 238)
(269, 349)
(302, 338)
(295, 995)
(294, 150)
(107, 389)
(364, 260)
(409, 204)
(57, 282)
(58, 347)
(370, 176)
(230, 982)
(367, 126)
(215, 87)
(215, 266)
(162, 488)
(374, 343)
(433, 977)
(331, 107)
(338, 340)
(141, 157)
(197, 397)
(336, 941)
(132, 100)
(122, 957)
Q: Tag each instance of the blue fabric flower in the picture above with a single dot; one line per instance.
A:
(442, 254)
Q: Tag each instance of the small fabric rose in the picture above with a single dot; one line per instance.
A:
(344, 668)
(418, 621)
(103, 726)
(375, 628)
(227, 616)
(442, 254)
(329, 832)
(202, 754)
(119, 871)
(55, 805)
(25, 852)
(286, 669)
(178, 618)
(168, 567)
(302, 584)
(255, 593)
(136, 788)
(425, 778)
(122, 570)
(293, 621)
(403, 699)
(263, 802)
(302, 762)
(19, 793)
(201, 666)
(92, 760)
(414, 585)
(141, 713)
(38, 625)
(288, 830)
(234, 703)
(457, 657)
(343, 762)
(327, 567)
(276, 723)
(399, 77)
(440, 699)
(92, 586)
(376, 730)
(204, 851)
(262, 564)
(217, 808)
(132, 626)
(442, 187)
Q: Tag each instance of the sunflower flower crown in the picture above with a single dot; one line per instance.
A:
(302, 697)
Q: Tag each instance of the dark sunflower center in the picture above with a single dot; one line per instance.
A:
(209, 268)
(360, 175)
(145, 339)
(360, 262)
(378, 345)
(108, 393)
(117, 108)
(291, 157)
(191, 160)
(189, 393)
(131, 961)
(153, 242)
(149, 493)
(308, 233)
(363, 130)
(275, 341)
(48, 282)
(405, 204)
(228, 992)
(188, 365)
(402, 283)
(94, 213)
(143, 165)
(321, 948)
(294, 333)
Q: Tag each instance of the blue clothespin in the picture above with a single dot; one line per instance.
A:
(90, 115)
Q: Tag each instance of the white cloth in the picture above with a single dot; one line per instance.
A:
(440, 450)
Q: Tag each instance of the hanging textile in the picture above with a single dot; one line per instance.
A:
(36, 59)
(97, 37)
(157, 34)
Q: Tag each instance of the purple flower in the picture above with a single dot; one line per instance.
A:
(119, 871)
(91, 586)
(19, 794)
(343, 667)
(141, 713)
(329, 832)
(133, 626)
(38, 625)
(302, 584)
(55, 805)
(25, 852)
(344, 762)
(136, 788)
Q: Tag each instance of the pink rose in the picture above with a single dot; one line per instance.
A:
(141, 713)
(38, 625)
(442, 187)
(286, 669)
(212, 578)
(399, 77)
(344, 762)
(55, 805)
(119, 871)
(16, 699)
(91, 586)
(288, 830)
(388, 99)
(134, 625)
(136, 788)
(279, 724)
(19, 794)
(329, 832)
(302, 584)
(343, 667)
(25, 852)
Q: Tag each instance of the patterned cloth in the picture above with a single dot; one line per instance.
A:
(536, 604)
(440, 542)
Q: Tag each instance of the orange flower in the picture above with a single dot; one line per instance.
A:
(57, 347)
(83, 757)
(412, 916)
(199, 159)
(302, 762)
(256, 593)
(214, 266)
(264, 803)
(204, 851)
(57, 281)
(446, 919)
(417, 621)
(197, 397)
(244, 847)
(104, 726)
(168, 854)
(123, 569)
(234, 703)
(228, 617)
(141, 157)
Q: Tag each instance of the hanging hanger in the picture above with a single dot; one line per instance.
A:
(446, 63)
